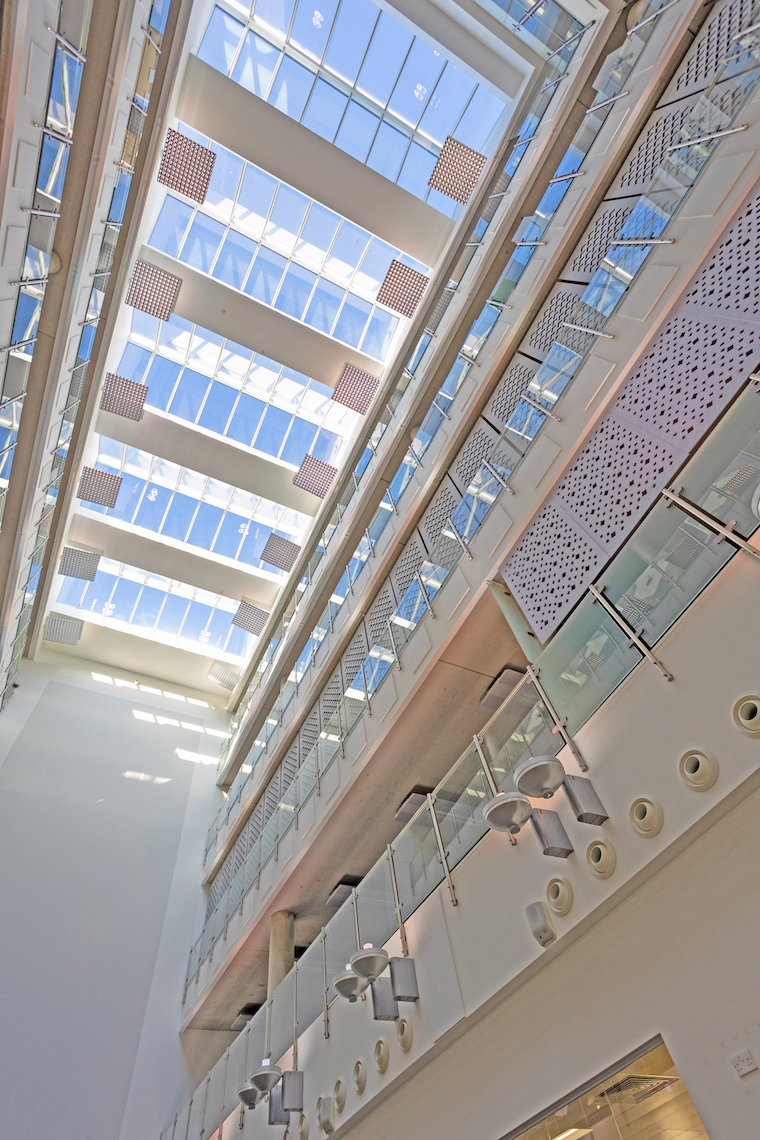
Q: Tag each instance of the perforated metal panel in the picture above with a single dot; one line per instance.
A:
(697, 363)
(438, 514)
(479, 445)
(315, 476)
(615, 472)
(223, 675)
(377, 618)
(558, 308)
(153, 291)
(712, 44)
(99, 487)
(437, 314)
(309, 731)
(64, 630)
(407, 565)
(123, 397)
(56, 470)
(76, 563)
(251, 618)
(280, 552)
(504, 400)
(271, 797)
(663, 132)
(355, 389)
(352, 659)
(457, 171)
(330, 697)
(550, 568)
(604, 229)
(186, 166)
(402, 289)
(694, 367)
(290, 765)
(496, 197)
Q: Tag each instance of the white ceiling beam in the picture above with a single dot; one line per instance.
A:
(214, 456)
(206, 572)
(231, 314)
(244, 123)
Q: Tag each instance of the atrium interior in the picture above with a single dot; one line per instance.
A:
(379, 569)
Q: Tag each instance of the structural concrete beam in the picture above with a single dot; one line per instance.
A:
(245, 124)
(219, 458)
(208, 302)
(155, 553)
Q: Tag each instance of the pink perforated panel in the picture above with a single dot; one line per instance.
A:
(153, 291)
(402, 289)
(355, 389)
(280, 552)
(186, 166)
(315, 476)
(123, 397)
(457, 171)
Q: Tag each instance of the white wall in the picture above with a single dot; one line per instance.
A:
(99, 896)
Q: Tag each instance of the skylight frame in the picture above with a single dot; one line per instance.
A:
(321, 424)
(262, 514)
(415, 134)
(218, 603)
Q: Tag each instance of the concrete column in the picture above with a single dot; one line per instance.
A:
(281, 946)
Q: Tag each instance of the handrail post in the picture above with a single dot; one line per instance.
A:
(397, 903)
(441, 850)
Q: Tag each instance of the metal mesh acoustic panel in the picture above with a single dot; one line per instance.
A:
(99, 487)
(153, 291)
(186, 166)
(223, 675)
(315, 476)
(438, 312)
(251, 618)
(407, 565)
(280, 552)
(78, 563)
(355, 389)
(477, 447)
(402, 289)
(64, 630)
(378, 617)
(123, 397)
(457, 171)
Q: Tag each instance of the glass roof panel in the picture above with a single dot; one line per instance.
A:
(194, 509)
(124, 596)
(384, 78)
(231, 394)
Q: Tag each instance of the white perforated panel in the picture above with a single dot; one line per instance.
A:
(730, 282)
(223, 675)
(558, 308)
(651, 150)
(694, 367)
(512, 386)
(330, 697)
(378, 616)
(438, 514)
(307, 736)
(550, 567)
(407, 565)
(479, 445)
(712, 43)
(353, 657)
(605, 228)
(617, 469)
(64, 630)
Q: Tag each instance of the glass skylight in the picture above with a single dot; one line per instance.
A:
(193, 509)
(137, 601)
(262, 237)
(357, 77)
(201, 378)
